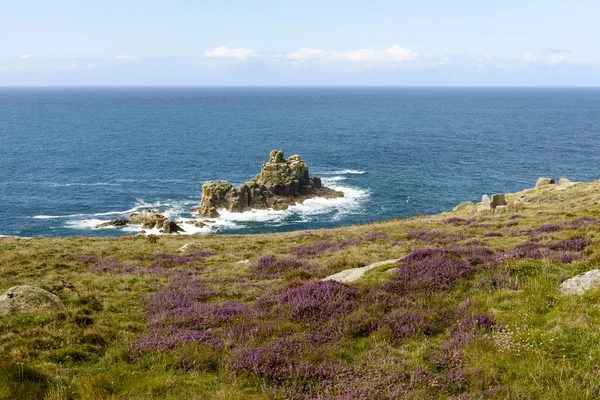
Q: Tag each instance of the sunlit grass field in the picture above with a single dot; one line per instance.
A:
(472, 311)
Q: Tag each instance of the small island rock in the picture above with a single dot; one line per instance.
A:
(280, 184)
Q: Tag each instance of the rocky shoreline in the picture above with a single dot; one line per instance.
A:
(281, 183)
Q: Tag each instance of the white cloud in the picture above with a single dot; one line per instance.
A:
(555, 59)
(391, 55)
(225, 52)
(25, 56)
(529, 57)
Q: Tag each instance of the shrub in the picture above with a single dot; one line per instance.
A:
(319, 301)
(268, 267)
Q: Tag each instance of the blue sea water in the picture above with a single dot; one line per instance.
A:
(73, 157)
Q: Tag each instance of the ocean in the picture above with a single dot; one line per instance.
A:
(72, 158)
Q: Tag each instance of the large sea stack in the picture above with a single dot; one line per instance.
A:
(280, 184)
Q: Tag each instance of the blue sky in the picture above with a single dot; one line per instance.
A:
(427, 42)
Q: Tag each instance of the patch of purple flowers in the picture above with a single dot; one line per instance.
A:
(268, 267)
(323, 247)
(493, 234)
(319, 301)
(434, 237)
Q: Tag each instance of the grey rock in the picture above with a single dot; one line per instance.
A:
(25, 298)
(116, 222)
(544, 182)
(581, 283)
(564, 181)
(486, 203)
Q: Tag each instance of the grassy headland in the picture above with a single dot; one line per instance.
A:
(472, 311)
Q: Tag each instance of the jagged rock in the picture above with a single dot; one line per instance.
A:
(22, 299)
(116, 222)
(544, 182)
(280, 184)
(170, 227)
(148, 219)
(581, 283)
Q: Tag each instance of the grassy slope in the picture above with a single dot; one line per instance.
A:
(542, 345)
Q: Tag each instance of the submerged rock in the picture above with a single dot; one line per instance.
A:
(280, 184)
(22, 299)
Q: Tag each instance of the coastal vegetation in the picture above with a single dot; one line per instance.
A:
(472, 310)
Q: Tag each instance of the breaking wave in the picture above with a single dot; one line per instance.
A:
(311, 210)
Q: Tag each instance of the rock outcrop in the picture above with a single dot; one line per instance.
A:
(544, 182)
(148, 219)
(22, 299)
(280, 184)
(116, 222)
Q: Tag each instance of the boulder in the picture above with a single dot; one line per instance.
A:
(486, 203)
(280, 184)
(544, 182)
(170, 227)
(23, 299)
(498, 200)
(564, 181)
(581, 283)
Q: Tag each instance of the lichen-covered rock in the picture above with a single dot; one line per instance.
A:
(581, 283)
(544, 182)
(148, 219)
(281, 183)
(22, 299)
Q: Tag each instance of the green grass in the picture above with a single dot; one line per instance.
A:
(546, 345)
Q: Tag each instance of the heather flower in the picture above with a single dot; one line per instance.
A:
(268, 267)
(493, 234)
(323, 247)
(427, 270)
(434, 237)
(546, 228)
(319, 301)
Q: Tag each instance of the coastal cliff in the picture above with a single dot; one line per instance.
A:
(280, 184)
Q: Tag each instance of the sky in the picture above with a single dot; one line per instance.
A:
(300, 43)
